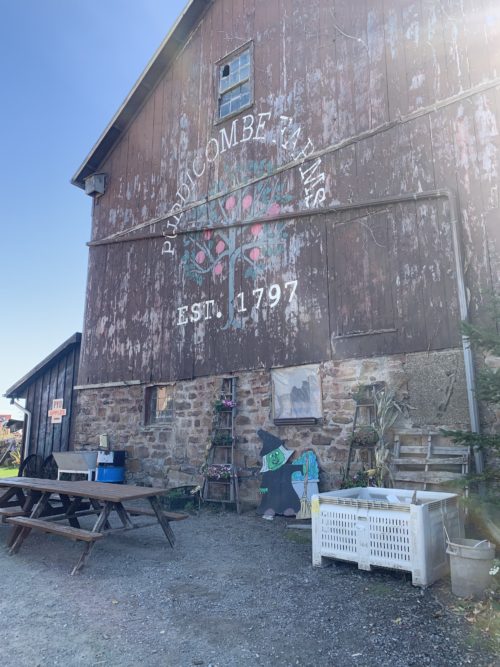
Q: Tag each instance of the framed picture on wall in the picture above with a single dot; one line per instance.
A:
(297, 395)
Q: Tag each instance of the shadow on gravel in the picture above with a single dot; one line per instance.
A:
(236, 591)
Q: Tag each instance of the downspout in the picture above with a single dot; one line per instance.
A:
(27, 430)
(470, 376)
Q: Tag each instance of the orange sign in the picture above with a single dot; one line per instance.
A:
(57, 412)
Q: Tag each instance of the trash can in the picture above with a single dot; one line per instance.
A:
(470, 565)
(111, 467)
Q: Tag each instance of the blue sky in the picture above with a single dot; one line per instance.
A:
(66, 66)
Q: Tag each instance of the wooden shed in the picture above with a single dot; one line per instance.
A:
(48, 391)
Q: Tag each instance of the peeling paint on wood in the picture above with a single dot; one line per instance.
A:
(390, 85)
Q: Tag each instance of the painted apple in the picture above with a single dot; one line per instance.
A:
(247, 202)
(274, 209)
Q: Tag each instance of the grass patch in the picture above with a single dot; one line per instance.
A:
(8, 472)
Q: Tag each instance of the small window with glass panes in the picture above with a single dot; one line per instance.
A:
(235, 87)
(159, 404)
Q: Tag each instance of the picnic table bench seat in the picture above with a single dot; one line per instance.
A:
(55, 528)
(8, 512)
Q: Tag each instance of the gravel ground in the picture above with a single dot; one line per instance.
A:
(236, 591)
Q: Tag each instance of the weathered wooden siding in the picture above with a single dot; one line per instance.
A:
(56, 381)
(386, 97)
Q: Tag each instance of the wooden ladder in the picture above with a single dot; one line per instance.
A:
(221, 484)
(368, 408)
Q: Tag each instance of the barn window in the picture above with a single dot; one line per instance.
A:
(234, 76)
(159, 404)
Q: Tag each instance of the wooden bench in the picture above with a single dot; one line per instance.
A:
(8, 512)
(55, 528)
(170, 516)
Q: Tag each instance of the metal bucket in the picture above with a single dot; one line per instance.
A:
(470, 565)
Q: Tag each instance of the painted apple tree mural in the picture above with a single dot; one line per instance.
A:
(216, 254)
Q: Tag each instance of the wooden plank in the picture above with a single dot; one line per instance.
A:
(164, 523)
(396, 74)
(67, 382)
(377, 55)
(413, 449)
(422, 477)
(6, 512)
(346, 51)
(456, 460)
(454, 21)
(412, 324)
(20, 533)
(55, 528)
(452, 449)
(97, 490)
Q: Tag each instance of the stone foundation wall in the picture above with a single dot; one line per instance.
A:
(433, 384)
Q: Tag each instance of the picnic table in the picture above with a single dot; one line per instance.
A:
(27, 503)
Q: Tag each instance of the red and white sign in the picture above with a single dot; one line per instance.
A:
(57, 412)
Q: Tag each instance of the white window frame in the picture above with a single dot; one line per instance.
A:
(221, 92)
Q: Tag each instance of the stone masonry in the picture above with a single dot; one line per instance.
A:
(171, 455)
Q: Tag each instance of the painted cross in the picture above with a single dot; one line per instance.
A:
(57, 412)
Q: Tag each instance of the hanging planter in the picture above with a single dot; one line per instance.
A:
(360, 393)
(365, 436)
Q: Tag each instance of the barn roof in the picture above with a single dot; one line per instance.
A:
(155, 69)
(18, 390)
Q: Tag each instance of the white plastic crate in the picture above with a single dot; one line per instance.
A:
(383, 527)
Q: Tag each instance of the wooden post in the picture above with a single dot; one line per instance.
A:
(163, 521)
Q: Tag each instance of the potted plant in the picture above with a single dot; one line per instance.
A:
(361, 478)
(217, 472)
(224, 404)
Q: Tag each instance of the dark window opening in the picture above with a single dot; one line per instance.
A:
(159, 404)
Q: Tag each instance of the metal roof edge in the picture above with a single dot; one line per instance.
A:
(161, 60)
(18, 387)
